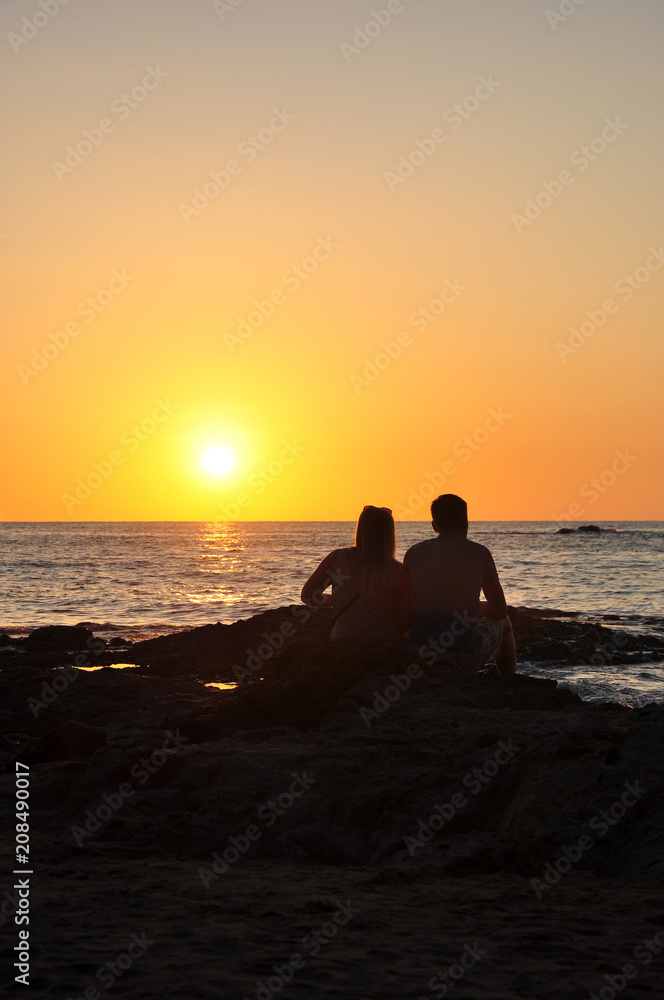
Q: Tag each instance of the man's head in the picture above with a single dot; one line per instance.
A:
(450, 513)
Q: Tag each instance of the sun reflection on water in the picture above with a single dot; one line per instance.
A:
(219, 559)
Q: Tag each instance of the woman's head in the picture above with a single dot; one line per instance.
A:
(375, 538)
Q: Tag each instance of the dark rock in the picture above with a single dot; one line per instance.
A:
(67, 638)
(250, 649)
(542, 613)
(379, 761)
(565, 531)
(5, 640)
(589, 527)
(310, 680)
(73, 741)
(211, 652)
(346, 786)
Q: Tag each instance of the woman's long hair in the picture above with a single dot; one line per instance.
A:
(375, 543)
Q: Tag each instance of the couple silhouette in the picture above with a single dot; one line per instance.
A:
(431, 600)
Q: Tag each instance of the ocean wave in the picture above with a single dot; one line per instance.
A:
(133, 630)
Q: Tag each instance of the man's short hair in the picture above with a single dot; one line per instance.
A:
(449, 511)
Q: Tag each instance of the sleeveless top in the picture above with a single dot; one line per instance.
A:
(373, 612)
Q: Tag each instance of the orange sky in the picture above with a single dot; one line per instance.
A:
(364, 306)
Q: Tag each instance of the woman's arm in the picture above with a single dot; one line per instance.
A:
(405, 602)
(312, 593)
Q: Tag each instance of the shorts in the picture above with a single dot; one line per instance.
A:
(489, 639)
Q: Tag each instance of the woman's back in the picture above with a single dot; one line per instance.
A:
(365, 604)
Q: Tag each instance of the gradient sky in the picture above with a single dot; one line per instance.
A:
(316, 433)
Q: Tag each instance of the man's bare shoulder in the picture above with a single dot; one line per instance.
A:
(478, 548)
(419, 548)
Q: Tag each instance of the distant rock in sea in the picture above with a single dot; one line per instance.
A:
(584, 528)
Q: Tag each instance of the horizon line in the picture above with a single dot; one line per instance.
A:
(522, 520)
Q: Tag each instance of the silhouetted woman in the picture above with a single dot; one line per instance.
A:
(370, 589)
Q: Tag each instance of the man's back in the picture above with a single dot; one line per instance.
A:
(447, 574)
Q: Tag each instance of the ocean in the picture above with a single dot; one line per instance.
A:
(140, 579)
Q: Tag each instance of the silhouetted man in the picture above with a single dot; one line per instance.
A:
(449, 622)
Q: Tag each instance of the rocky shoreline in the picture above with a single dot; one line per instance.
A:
(345, 803)
(245, 649)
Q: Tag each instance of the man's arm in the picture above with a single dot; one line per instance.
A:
(496, 606)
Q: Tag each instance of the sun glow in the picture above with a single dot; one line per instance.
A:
(218, 460)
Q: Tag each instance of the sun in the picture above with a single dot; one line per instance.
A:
(218, 460)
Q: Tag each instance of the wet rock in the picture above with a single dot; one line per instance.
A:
(66, 638)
